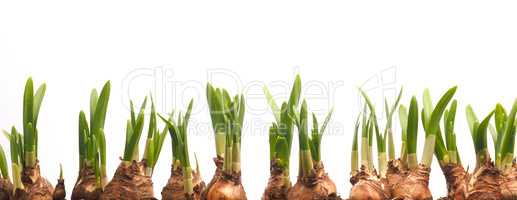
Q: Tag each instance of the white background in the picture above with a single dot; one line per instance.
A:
(173, 49)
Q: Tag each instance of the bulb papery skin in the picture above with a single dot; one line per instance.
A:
(218, 161)
(174, 190)
(414, 186)
(86, 185)
(35, 186)
(228, 187)
(457, 179)
(6, 189)
(508, 182)
(366, 185)
(484, 182)
(278, 183)
(129, 182)
(317, 185)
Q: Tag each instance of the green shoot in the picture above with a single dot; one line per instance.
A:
(431, 121)
(380, 138)
(92, 141)
(450, 136)
(364, 139)
(500, 121)
(4, 172)
(179, 135)
(303, 137)
(31, 107)
(133, 136)
(227, 116)
(403, 118)
(16, 147)
(507, 143)
(412, 134)
(355, 152)
(281, 132)
(388, 132)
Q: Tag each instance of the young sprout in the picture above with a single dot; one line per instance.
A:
(354, 164)
(479, 135)
(227, 116)
(280, 142)
(382, 138)
(92, 146)
(412, 134)
(24, 148)
(6, 186)
(431, 117)
(133, 172)
(313, 183)
(190, 179)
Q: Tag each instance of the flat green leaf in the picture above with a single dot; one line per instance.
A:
(482, 132)
(272, 104)
(471, 118)
(403, 118)
(102, 146)
(3, 164)
(135, 137)
(500, 118)
(449, 126)
(327, 120)
(428, 104)
(508, 137)
(434, 123)
(294, 98)
(94, 97)
(282, 151)
(493, 133)
(100, 109)
(356, 132)
(28, 103)
(412, 126)
(38, 98)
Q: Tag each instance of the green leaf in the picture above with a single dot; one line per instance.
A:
(135, 137)
(28, 103)
(356, 132)
(294, 98)
(509, 133)
(449, 126)
(412, 126)
(368, 102)
(94, 97)
(189, 110)
(471, 118)
(482, 132)
(133, 115)
(493, 133)
(100, 109)
(3, 164)
(159, 142)
(102, 146)
(272, 104)
(403, 118)
(428, 105)
(434, 123)
(282, 151)
(38, 98)
(83, 135)
(152, 121)
(302, 128)
(500, 120)
(29, 139)
(14, 146)
(327, 120)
